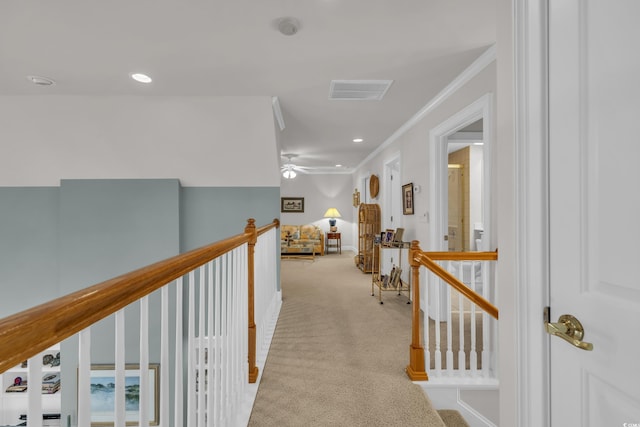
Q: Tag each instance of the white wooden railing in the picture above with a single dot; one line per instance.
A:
(461, 302)
(459, 337)
(227, 293)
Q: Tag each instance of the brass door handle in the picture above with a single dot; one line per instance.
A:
(569, 329)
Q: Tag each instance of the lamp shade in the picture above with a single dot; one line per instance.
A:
(332, 213)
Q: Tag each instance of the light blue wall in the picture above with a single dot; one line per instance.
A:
(108, 228)
(28, 247)
(54, 241)
(111, 227)
(210, 214)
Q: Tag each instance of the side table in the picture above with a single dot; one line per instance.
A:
(337, 242)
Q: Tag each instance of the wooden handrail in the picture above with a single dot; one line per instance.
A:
(416, 368)
(274, 224)
(463, 256)
(427, 259)
(27, 333)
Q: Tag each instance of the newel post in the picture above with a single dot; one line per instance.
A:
(415, 370)
(251, 229)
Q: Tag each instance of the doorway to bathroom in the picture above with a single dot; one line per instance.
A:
(465, 225)
(460, 156)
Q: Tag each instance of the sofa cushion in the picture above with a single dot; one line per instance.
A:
(310, 232)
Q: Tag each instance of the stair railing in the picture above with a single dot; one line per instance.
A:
(465, 273)
(234, 284)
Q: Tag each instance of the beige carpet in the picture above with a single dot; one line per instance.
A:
(338, 356)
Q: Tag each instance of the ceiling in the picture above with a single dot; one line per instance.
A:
(233, 48)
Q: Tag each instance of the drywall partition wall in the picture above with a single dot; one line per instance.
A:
(203, 141)
(211, 214)
(28, 247)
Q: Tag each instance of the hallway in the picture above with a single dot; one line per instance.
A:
(338, 357)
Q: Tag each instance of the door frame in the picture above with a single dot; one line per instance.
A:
(482, 108)
(389, 206)
(531, 203)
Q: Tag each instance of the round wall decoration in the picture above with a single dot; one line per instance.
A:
(374, 186)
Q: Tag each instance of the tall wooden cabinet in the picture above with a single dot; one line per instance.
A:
(368, 228)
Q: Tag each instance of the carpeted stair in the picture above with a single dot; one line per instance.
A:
(452, 418)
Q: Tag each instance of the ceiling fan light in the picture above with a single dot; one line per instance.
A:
(289, 174)
(141, 78)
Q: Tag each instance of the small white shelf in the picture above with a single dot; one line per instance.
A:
(14, 404)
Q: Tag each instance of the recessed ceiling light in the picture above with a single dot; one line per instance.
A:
(358, 140)
(142, 78)
(40, 81)
(338, 166)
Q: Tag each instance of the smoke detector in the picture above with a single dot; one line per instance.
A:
(288, 26)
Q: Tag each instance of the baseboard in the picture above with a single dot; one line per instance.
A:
(449, 396)
(262, 351)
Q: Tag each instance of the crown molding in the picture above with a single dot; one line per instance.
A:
(463, 78)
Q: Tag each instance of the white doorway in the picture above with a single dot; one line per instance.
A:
(472, 231)
(444, 140)
(392, 212)
(392, 194)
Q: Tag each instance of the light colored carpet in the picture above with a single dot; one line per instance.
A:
(338, 357)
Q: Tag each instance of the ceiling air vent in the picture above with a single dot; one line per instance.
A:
(358, 90)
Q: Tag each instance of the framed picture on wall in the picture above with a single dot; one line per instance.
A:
(407, 199)
(102, 382)
(292, 204)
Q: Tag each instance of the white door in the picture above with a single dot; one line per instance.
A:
(594, 151)
(392, 219)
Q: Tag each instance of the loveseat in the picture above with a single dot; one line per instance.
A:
(301, 239)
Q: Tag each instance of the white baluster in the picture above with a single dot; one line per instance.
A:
(201, 377)
(84, 380)
(143, 402)
(119, 417)
(191, 368)
(178, 409)
(487, 346)
(449, 353)
(217, 344)
(224, 338)
(461, 315)
(164, 356)
(427, 316)
(473, 355)
(34, 391)
(210, 363)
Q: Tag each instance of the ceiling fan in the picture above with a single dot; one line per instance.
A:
(289, 170)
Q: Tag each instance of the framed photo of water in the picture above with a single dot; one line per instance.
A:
(103, 380)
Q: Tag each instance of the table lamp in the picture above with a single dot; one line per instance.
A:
(332, 214)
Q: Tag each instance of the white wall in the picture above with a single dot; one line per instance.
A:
(203, 141)
(413, 146)
(320, 193)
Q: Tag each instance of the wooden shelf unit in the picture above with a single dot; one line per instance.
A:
(378, 279)
(368, 229)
